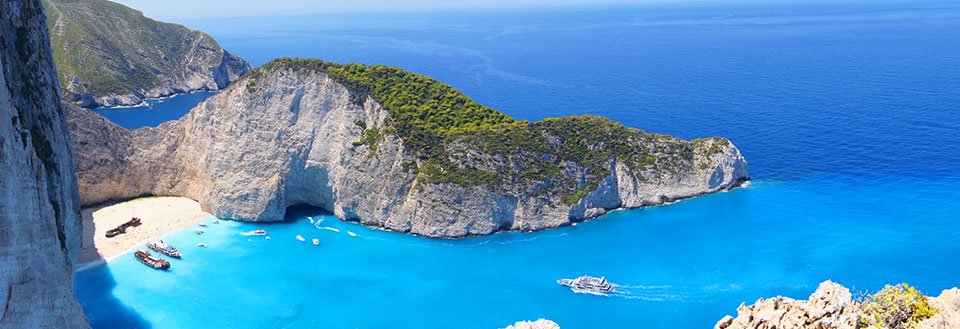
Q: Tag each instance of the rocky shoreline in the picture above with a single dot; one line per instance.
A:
(288, 136)
(832, 306)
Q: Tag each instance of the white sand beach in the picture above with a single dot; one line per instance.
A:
(160, 216)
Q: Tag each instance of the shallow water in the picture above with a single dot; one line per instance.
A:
(849, 116)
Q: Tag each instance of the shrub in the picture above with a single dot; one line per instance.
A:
(900, 307)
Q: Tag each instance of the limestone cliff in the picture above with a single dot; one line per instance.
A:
(108, 54)
(307, 132)
(831, 307)
(39, 204)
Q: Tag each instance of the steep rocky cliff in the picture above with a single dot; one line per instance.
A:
(395, 150)
(108, 54)
(39, 204)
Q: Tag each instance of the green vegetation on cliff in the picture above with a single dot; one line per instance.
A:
(444, 127)
(102, 48)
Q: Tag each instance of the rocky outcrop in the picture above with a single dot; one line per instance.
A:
(831, 307)
(39, 204)
(110, 55)
(539, 324)
(288, 136)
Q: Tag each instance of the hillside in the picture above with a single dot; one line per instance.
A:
(392, 149)
(108, 55)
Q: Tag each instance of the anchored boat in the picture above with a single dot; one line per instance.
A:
(588, 284)
(164, 248)
(155, 262)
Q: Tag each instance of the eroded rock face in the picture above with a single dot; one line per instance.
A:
(830, 307)
(250, 152)
(39, 204)
(539, 324)
(111, 55)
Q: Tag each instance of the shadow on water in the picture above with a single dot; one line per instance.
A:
(95, 285)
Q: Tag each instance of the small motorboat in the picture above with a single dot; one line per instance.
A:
(300, 237)
(351, 233)
(267, 238)
(202, 245)
(202, 224)
(198, 231)
(216, 221)
(316, 242)
(260, 232)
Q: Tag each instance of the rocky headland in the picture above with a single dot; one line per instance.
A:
(392, 149)
(39, 203)
(832, 306)
(108, 54)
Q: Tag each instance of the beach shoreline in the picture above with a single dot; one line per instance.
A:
(160, 217)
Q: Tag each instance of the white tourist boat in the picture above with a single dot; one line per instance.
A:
(300, 238)
(588, 284)
(316, 242)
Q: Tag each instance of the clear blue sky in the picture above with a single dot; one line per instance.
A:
(175, 9)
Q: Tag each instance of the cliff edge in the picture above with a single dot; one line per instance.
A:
(831, 306)
(108, 54)
(392, 149)
(39, 204)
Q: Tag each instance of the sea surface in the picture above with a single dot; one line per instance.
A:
(848, 114)
(153, 112)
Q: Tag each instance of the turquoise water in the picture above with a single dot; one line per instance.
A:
(849, 116)
(155, 111)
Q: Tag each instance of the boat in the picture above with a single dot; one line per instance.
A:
(202, 224)
(198, 231)
(201, 244)
(164, 248)
(216, 221)
(116, 231)
(155, 262)
(300, 237)
(267, 238)
(351, 233)
(134, 222)
(259, 232)
(316, 242)
(588, 284)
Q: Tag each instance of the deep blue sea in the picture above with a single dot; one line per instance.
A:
(849, 116)
(154, 111)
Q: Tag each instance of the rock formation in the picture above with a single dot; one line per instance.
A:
(539, 324)
(109, 55)
(289, 134)
(39, 204)
(831, 307)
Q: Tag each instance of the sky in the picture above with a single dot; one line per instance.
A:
(185, 9)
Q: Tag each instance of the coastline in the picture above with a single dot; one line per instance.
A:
(150, 101)
(160, 216)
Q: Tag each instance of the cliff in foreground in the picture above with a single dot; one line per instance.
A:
(39, 205)
(108, 54)
(831, 306)
(395, 150)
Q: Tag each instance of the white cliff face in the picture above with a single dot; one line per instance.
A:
(291, 138)
(39, 204)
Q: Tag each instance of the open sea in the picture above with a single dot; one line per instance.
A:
(848, 114)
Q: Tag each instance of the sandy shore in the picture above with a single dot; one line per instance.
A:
(160, 215)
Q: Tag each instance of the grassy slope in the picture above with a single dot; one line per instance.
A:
(114, 49)
(441, 125)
